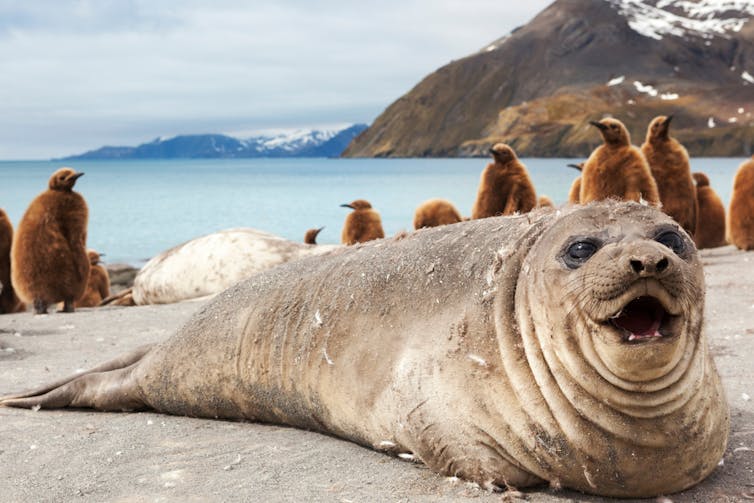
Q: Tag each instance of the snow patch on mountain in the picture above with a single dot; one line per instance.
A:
(290, 141)
(682, 18)
(616, 81)
(496, 44)
(645, 88)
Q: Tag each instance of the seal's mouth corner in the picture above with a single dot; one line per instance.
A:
(643, 319)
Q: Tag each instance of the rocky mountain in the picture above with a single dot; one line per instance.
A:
(302, 143)
(579, 60)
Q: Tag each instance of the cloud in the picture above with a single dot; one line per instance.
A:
(86, 73)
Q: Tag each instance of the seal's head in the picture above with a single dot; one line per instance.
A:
(64, 179)
(614, 133)
(609, 306)
(502, 153)
(659, 128)
(631, 286)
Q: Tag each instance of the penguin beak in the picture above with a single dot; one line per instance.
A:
(346, 206)
(491, 151)
(76, 176)
(598, 125)
(666, 125)
(575, 166)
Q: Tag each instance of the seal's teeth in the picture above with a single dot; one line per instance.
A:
(635, 337)
(617, 315)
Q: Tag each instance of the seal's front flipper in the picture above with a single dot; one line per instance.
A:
(109, 386)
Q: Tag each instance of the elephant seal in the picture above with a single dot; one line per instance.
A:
(210, 264)
(48, 257)
(562, 346)
(504, 186)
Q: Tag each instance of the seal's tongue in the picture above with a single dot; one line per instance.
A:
(641, 318)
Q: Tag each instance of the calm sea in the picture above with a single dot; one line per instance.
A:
(140, 208)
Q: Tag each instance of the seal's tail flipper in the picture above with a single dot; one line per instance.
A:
(108, 386)
(124, 298)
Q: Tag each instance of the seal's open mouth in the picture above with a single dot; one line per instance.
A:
(642, 319)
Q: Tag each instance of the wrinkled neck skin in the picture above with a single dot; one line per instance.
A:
(596, 419)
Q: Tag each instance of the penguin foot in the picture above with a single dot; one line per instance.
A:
(40, 306)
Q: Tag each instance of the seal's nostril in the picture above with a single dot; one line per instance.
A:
(662, 265)
(637, 265)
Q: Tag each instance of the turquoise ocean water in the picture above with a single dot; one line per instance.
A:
(140, 208)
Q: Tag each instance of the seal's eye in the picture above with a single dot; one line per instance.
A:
(578, 253)
(672, 240)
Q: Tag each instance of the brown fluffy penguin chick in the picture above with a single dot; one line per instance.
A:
(362, 224)
(617, 169)
(505, 187)
(574, 191)
(435, 212)
(310, 237)
(98, 286)
(545, 202)
(669, 163)
(48, 258)
(9, 302)
(741, 212)
(710, 222)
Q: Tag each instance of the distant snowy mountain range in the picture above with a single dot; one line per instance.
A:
(299, 143)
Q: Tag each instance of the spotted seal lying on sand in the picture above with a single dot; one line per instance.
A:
(211, 263)
(561, 346)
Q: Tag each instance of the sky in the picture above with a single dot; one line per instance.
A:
(79, 74)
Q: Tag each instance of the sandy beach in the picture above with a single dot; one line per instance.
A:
(139, 457)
